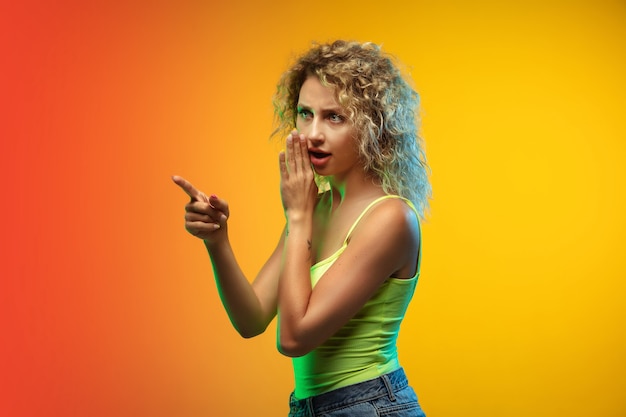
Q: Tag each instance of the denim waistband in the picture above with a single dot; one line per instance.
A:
(384, 385)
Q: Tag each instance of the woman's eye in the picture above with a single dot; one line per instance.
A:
(304, 113)
(335, 118)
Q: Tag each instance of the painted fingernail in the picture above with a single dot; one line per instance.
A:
(216, 226)
(223, 218)
(213, 196)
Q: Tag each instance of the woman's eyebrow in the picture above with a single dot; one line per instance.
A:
(332, 109)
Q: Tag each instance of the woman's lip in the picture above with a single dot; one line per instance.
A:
(318, 158)
(318, 154)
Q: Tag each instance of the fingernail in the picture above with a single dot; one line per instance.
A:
(223, 218)
(216, 226)
(213, 196)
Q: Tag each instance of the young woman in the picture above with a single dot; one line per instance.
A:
(353, 185)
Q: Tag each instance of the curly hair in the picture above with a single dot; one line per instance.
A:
(380, 104)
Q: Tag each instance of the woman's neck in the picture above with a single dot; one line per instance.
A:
(354, 189)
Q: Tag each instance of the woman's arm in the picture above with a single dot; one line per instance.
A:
(250, 307)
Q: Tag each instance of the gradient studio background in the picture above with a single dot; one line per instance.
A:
(107, 306)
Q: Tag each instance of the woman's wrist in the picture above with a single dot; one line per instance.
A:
(299, 217)
(216, 244)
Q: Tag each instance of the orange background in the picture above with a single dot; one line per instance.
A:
(107, 306)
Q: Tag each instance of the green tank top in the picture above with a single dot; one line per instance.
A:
(364, 348)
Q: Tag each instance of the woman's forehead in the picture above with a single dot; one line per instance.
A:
(314, 93)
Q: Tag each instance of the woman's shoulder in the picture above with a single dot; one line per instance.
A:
(390, 230)
(390, 214)
(393, 205)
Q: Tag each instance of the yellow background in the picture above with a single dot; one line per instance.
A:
(108, 306)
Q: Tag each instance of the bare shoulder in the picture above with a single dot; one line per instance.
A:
(394, 213)
(392, 219)
(390, 234)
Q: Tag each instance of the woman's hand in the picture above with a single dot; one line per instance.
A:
(297, 183)
(205, 217)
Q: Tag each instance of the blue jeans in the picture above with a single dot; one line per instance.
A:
(388, 395)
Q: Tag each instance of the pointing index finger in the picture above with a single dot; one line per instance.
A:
(189, 189)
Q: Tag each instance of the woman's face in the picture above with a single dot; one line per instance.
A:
(330, 135)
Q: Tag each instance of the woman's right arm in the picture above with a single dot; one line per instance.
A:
(250, 307)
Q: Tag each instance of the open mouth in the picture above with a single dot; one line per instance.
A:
(318, 154)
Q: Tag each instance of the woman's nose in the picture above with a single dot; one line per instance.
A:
(315, 131)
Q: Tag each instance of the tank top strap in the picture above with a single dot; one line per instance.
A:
(369, 206)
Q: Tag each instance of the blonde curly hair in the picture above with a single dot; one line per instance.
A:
(380, 104)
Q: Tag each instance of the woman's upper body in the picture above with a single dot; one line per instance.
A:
(346, 263)
(378, 248)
